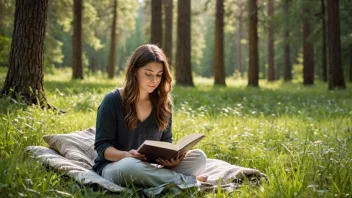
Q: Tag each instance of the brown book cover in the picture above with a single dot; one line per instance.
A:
(156, 149)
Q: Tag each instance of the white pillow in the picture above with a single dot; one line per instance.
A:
(77, 146)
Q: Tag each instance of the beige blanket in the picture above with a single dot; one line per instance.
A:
(74, 155)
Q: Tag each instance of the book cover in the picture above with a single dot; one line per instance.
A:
(156, 149)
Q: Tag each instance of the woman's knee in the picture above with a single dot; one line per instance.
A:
(128, 165)
(124, 171)
(198, 154)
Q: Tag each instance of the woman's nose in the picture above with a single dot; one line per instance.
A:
(153, 78)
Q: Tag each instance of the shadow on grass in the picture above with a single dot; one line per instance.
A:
(9, 105)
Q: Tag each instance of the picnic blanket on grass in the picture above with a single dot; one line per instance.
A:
(73, 154)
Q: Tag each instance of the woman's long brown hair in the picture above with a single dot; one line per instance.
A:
(160, 97)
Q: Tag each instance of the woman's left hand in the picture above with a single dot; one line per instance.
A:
(172, 162)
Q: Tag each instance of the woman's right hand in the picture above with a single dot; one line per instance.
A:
(135, 154)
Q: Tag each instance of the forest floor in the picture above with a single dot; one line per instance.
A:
(300, 137)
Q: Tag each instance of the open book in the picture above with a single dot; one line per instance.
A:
(156, 149)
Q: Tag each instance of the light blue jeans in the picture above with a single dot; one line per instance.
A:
(132, 171)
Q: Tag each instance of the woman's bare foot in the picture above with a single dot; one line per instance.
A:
(202, 178)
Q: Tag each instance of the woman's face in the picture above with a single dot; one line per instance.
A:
(149, 76)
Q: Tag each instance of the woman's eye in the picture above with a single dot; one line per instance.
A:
(159, 75)
(148, 74)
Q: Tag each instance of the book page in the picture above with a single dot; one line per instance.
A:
(187, 142)
(166, 145)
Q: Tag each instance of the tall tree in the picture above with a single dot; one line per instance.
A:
(167, 44)
(219, 69)
(112, 57)
(271, 66)
(77, 67)
(287, 60)
(323, 47)
(308, 50)
(156, 29)
(183, 53)
(253, 63)
(336, 78)
(25, 75)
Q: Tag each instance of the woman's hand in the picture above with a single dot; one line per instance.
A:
(172, 162)
(134, 153)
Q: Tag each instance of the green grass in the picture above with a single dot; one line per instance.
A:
(301, 137)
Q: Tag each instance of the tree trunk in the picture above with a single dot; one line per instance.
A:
(336, 78)
(308, 51)
(112, 57)
(323, 49)
(156, 29)
(271, 64)
(253, 68)
(219, 69)
(287, 60)
(240, 35)
(77, 68)
(183, 54)
(25, 74)
(167, 44)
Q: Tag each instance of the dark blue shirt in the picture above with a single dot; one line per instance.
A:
(112, 131)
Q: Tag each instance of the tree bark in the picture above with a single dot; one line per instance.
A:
(25, 75)
(323, 49)
(287, 60)
(336, 78)
(219, 69)
(77, 68)
(167, 45)
(183, 54)
(112, 57)
(253, 68)
(156, 29)
(308, 51)
(271, 64)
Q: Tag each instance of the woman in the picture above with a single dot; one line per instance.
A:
(141, 110)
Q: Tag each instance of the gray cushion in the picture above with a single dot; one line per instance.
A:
(77, 146)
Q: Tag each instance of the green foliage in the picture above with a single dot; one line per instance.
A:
(299, 136)
(5, 43)
(230, 52)
(7, 8)
(133, 36)
(205, 68)
(198, 28)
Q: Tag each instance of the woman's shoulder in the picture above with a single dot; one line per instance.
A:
(113, 95)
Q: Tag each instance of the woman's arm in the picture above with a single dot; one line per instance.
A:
(106, 127)
(115, 155)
